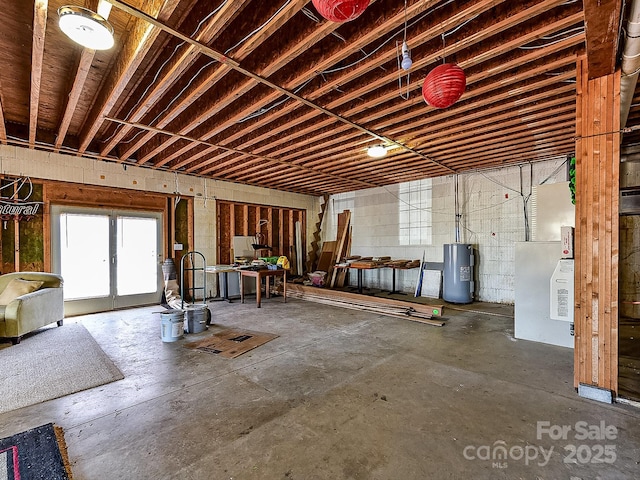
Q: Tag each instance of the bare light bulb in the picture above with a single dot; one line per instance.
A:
(406, 57)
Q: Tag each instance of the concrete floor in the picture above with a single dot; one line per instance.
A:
(341, 394)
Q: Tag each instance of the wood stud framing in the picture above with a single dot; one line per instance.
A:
(242, 219)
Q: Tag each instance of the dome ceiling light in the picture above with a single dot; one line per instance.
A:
(85, 27)
(377, 151)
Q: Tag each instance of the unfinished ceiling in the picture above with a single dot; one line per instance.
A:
(271, 94)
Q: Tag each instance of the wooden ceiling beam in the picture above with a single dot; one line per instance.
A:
(75, 90)
(470, 151)
(296, 48)
(482, 34)
(366, 107)
(197, 119)
(256, 157)
(326, 149)
(353, 46)
(182, 151)
(501, 149)
(207, 83)
(602, 26)
(402, 106)
(178, 65)
(82, 71)
(136, 46)
(490, 140)
(466, 105)
(454, 126)
(3, 128)
(494, 157)
(37, 58)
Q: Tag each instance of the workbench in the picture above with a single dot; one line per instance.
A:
(360, 269)
(259, 275)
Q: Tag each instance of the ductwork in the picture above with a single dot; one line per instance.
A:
(630, 62)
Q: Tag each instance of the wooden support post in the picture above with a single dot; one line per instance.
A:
(597, 236)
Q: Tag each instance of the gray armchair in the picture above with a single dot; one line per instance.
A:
(33, 310)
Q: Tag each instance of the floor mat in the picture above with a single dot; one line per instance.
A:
(38, 453)
(231, 343)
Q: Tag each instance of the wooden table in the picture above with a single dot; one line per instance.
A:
(359, 268)
(259, 275)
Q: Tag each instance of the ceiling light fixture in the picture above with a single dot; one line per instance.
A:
(85, 27)
(377, 151)
(404, 60)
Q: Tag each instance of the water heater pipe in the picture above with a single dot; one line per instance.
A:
(630, 61)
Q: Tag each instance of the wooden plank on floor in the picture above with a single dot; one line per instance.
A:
(434, 310)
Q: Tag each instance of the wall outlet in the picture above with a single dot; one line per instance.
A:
(178, 246)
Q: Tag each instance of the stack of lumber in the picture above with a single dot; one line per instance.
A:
(403, 263)
(342, 250)
(395, 308)
(367, 264)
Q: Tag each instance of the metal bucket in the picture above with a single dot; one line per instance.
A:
(171, 325)
(169, 270)
(196, 318)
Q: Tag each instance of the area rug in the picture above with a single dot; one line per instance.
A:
(231, 343)
(39, 453)
(52, 363)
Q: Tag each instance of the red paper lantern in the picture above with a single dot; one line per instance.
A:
(444, 85)
(340, 10)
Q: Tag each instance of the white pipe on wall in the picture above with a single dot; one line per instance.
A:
(630, 62)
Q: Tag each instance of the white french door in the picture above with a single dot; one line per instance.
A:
(108, 258)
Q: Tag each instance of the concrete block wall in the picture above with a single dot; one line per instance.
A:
(491, 205)
(55, 166)
(492, 219)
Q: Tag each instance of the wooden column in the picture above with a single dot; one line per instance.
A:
(596, 236)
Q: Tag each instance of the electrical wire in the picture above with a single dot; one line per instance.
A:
(564, 32)
(264, 110)
(173, 100)
(258, 29)
(385, 42)
(548, 44)
(553, 174)
(404, 96)
(499, 183)
(169, 58)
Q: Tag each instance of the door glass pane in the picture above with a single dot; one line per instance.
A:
(84, 255)
(137, 255)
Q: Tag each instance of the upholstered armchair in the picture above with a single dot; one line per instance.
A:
(28, 301)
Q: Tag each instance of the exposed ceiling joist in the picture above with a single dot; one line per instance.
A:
(37, 59)
(602, 27)
(137, 44)
(272, 95)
